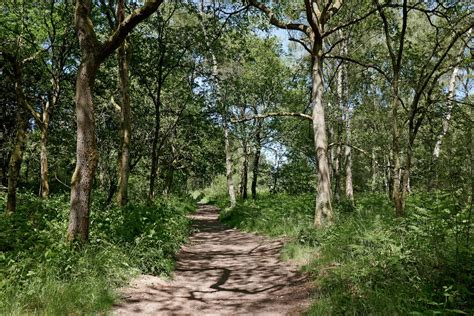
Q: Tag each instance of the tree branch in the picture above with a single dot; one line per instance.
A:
(272, 114)
(346, 58)
(116, 39)
(292, 39)
(356, 20)
(278, 23)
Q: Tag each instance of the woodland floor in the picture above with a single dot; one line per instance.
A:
(221, 271)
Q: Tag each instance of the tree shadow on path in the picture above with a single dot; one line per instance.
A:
(221, 271)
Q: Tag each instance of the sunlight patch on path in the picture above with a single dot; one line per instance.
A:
(221, 271)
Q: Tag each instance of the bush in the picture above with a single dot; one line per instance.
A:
(42, 273)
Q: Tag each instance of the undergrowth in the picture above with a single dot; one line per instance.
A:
(40, 273)
(370, 262)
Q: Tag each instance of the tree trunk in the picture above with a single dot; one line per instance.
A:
(256, 159)
(347, 120)
(373, 184)
(154, 146)
(92, 54)
(340, 120)
(447, 119)
(86, 151)
(155, 150)
(112, 189)
(244, 171)
(388, 175)
(16, 158)
(169, 181)
(397, 195)
(125, 125)
(348, 158)
(228, 166)
(44, 186)
(331, 155)
(323, 210)
(44, 130)
(4, 170)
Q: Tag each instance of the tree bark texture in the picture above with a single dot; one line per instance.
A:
(86, 150)
(323, 210)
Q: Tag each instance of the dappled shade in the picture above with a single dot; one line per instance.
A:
(222, 271)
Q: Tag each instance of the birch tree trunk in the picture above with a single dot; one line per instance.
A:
(447, 119)
(317, 15)
(229, 166)
(323, 210)
(346, 113)
(125, 125)
(340, 120)
(348, 161)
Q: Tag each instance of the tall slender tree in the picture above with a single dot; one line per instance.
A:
(317, 15)
(93, 53)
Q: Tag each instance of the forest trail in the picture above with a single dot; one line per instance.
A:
(221, 271)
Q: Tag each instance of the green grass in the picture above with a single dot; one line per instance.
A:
(40, 273)
(370, 262)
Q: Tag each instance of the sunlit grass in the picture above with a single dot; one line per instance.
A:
(40, 273)
(369, 261)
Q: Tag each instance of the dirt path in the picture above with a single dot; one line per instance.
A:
(221, 272)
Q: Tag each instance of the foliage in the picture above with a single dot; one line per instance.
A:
(42, 274)
(370, 262)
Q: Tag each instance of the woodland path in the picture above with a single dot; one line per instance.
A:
(221, 271)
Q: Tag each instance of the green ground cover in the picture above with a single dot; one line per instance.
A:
(40, 273)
